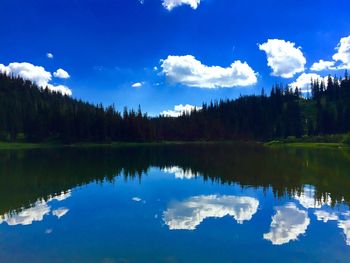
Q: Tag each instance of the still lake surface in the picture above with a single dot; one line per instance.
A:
(180, 203)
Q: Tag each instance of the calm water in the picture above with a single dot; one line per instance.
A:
(204, 203)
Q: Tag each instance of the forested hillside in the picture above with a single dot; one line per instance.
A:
(34, 115)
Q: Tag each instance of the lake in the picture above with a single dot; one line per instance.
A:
(175, 203)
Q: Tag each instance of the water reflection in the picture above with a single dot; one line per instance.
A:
(190, 213)
(244, 183)
(60, 212)
(345, 225)
(326, 216)
(23, 179)
(180, 173)
(308, 198)
(60, 197)
(36, 212)
(27, 216)
(288, 223)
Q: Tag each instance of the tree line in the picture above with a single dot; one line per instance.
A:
(33, 114)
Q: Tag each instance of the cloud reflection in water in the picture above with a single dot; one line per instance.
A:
(180, 173)
(308, 198)
(188, 214)
(36, 212)
(287, 224)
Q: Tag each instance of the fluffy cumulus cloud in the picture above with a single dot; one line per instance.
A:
(180, 110)
(287, 224)
(170, 4)
(60, 89)
(180, 173)
(188, 214)
(323, 65)
(49, 55)
(36, 74)
(28, 71)
(61, 73)
(137, 85)
(342, 56)
(187, 70)
(303, 82)
(343, 53)
(283, 57)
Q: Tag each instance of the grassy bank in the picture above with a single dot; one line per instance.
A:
(332, 141)
(24, 145)
(329, 141)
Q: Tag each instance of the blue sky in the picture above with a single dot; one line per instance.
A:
(104, 47)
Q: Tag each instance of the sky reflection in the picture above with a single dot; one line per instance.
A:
(288, 223)
(180, 173)
(36, 212)
(190, 213)
(308, 198)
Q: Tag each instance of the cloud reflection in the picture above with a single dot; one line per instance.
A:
(308, 198)
(60, 212)
(27, 216)
(36, 212)
(190, 213)
(60, 197)
(345, 226)
(287, 224)
(180, 173)
(325, 216)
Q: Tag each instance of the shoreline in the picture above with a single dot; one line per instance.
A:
(46, 145)
(273, 144)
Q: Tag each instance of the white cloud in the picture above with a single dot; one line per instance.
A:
(342, 56)
(64, 90)
(325, 216)
(61, 73)
(308, 198)
(323, 65)
(283, 57)
(28, 71)
(180, 173)
(343, 53)
(60, 212)
(179, 110)
(187, 70)
(170, 4)
(287, 224)
(190, 213)
(303, 82)
(137, 85)
(36, 74)
(49, 55)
